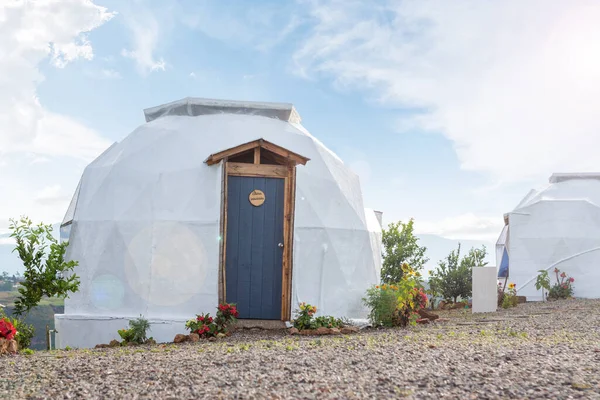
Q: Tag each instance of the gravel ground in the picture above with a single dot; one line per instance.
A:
(545, 351)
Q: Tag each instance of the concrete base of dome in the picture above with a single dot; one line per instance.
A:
(267, 324)
(86, 331)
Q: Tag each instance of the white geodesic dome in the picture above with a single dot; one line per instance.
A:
(144, 221)
(557, 226)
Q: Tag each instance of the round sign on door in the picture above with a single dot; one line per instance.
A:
(257, 198)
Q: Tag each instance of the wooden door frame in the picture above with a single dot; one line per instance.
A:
(287, 172)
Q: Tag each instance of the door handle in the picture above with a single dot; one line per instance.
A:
(280, 245)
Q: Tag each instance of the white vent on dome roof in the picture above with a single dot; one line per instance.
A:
(561, 177)
(192, 107)
(379, 215)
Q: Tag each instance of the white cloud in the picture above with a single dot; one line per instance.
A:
(110, 74)
(466, 226)
(63, 136)
(145, 31)
(48, 192)
(51, 195)
(39, 160)
(37, 190)
(515, 85)
(358, 161)
(262, 26)
(105, 73)
(31, 137)
(30, 33)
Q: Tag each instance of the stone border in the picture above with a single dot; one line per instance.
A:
(8, 346)
(347, 330)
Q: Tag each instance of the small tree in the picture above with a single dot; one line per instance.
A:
(453, 277)
(475, 257)
(542, 282)
(400, 246)
(45, 265)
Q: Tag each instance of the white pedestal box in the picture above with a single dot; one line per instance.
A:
(485, 291)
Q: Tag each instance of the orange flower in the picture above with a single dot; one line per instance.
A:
(377, 287)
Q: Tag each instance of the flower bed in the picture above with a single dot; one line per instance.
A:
(563, 288)
(8, 344)
(399, 304)
(305, 323)
(206, 327)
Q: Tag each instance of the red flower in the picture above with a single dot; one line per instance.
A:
(227, 310)
(556, 270)
(7, 330)
(563, 275)
(571, 280)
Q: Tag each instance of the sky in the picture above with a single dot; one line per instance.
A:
(450, 112)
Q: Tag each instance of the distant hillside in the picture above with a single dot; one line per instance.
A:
(438, 248)
(9, 261)
(39, 316)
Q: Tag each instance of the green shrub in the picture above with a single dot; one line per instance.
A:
(453, 276)
(126, 335)
(396, 305)
(304, 319)
(560, 292)
(137, 331)
(25, 332)
(383, 303)
(563, 288)
(510, 298)
(327, 321)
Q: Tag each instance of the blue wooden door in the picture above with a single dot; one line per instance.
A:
(253, 261)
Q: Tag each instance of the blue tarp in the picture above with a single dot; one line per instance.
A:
(503, 270)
